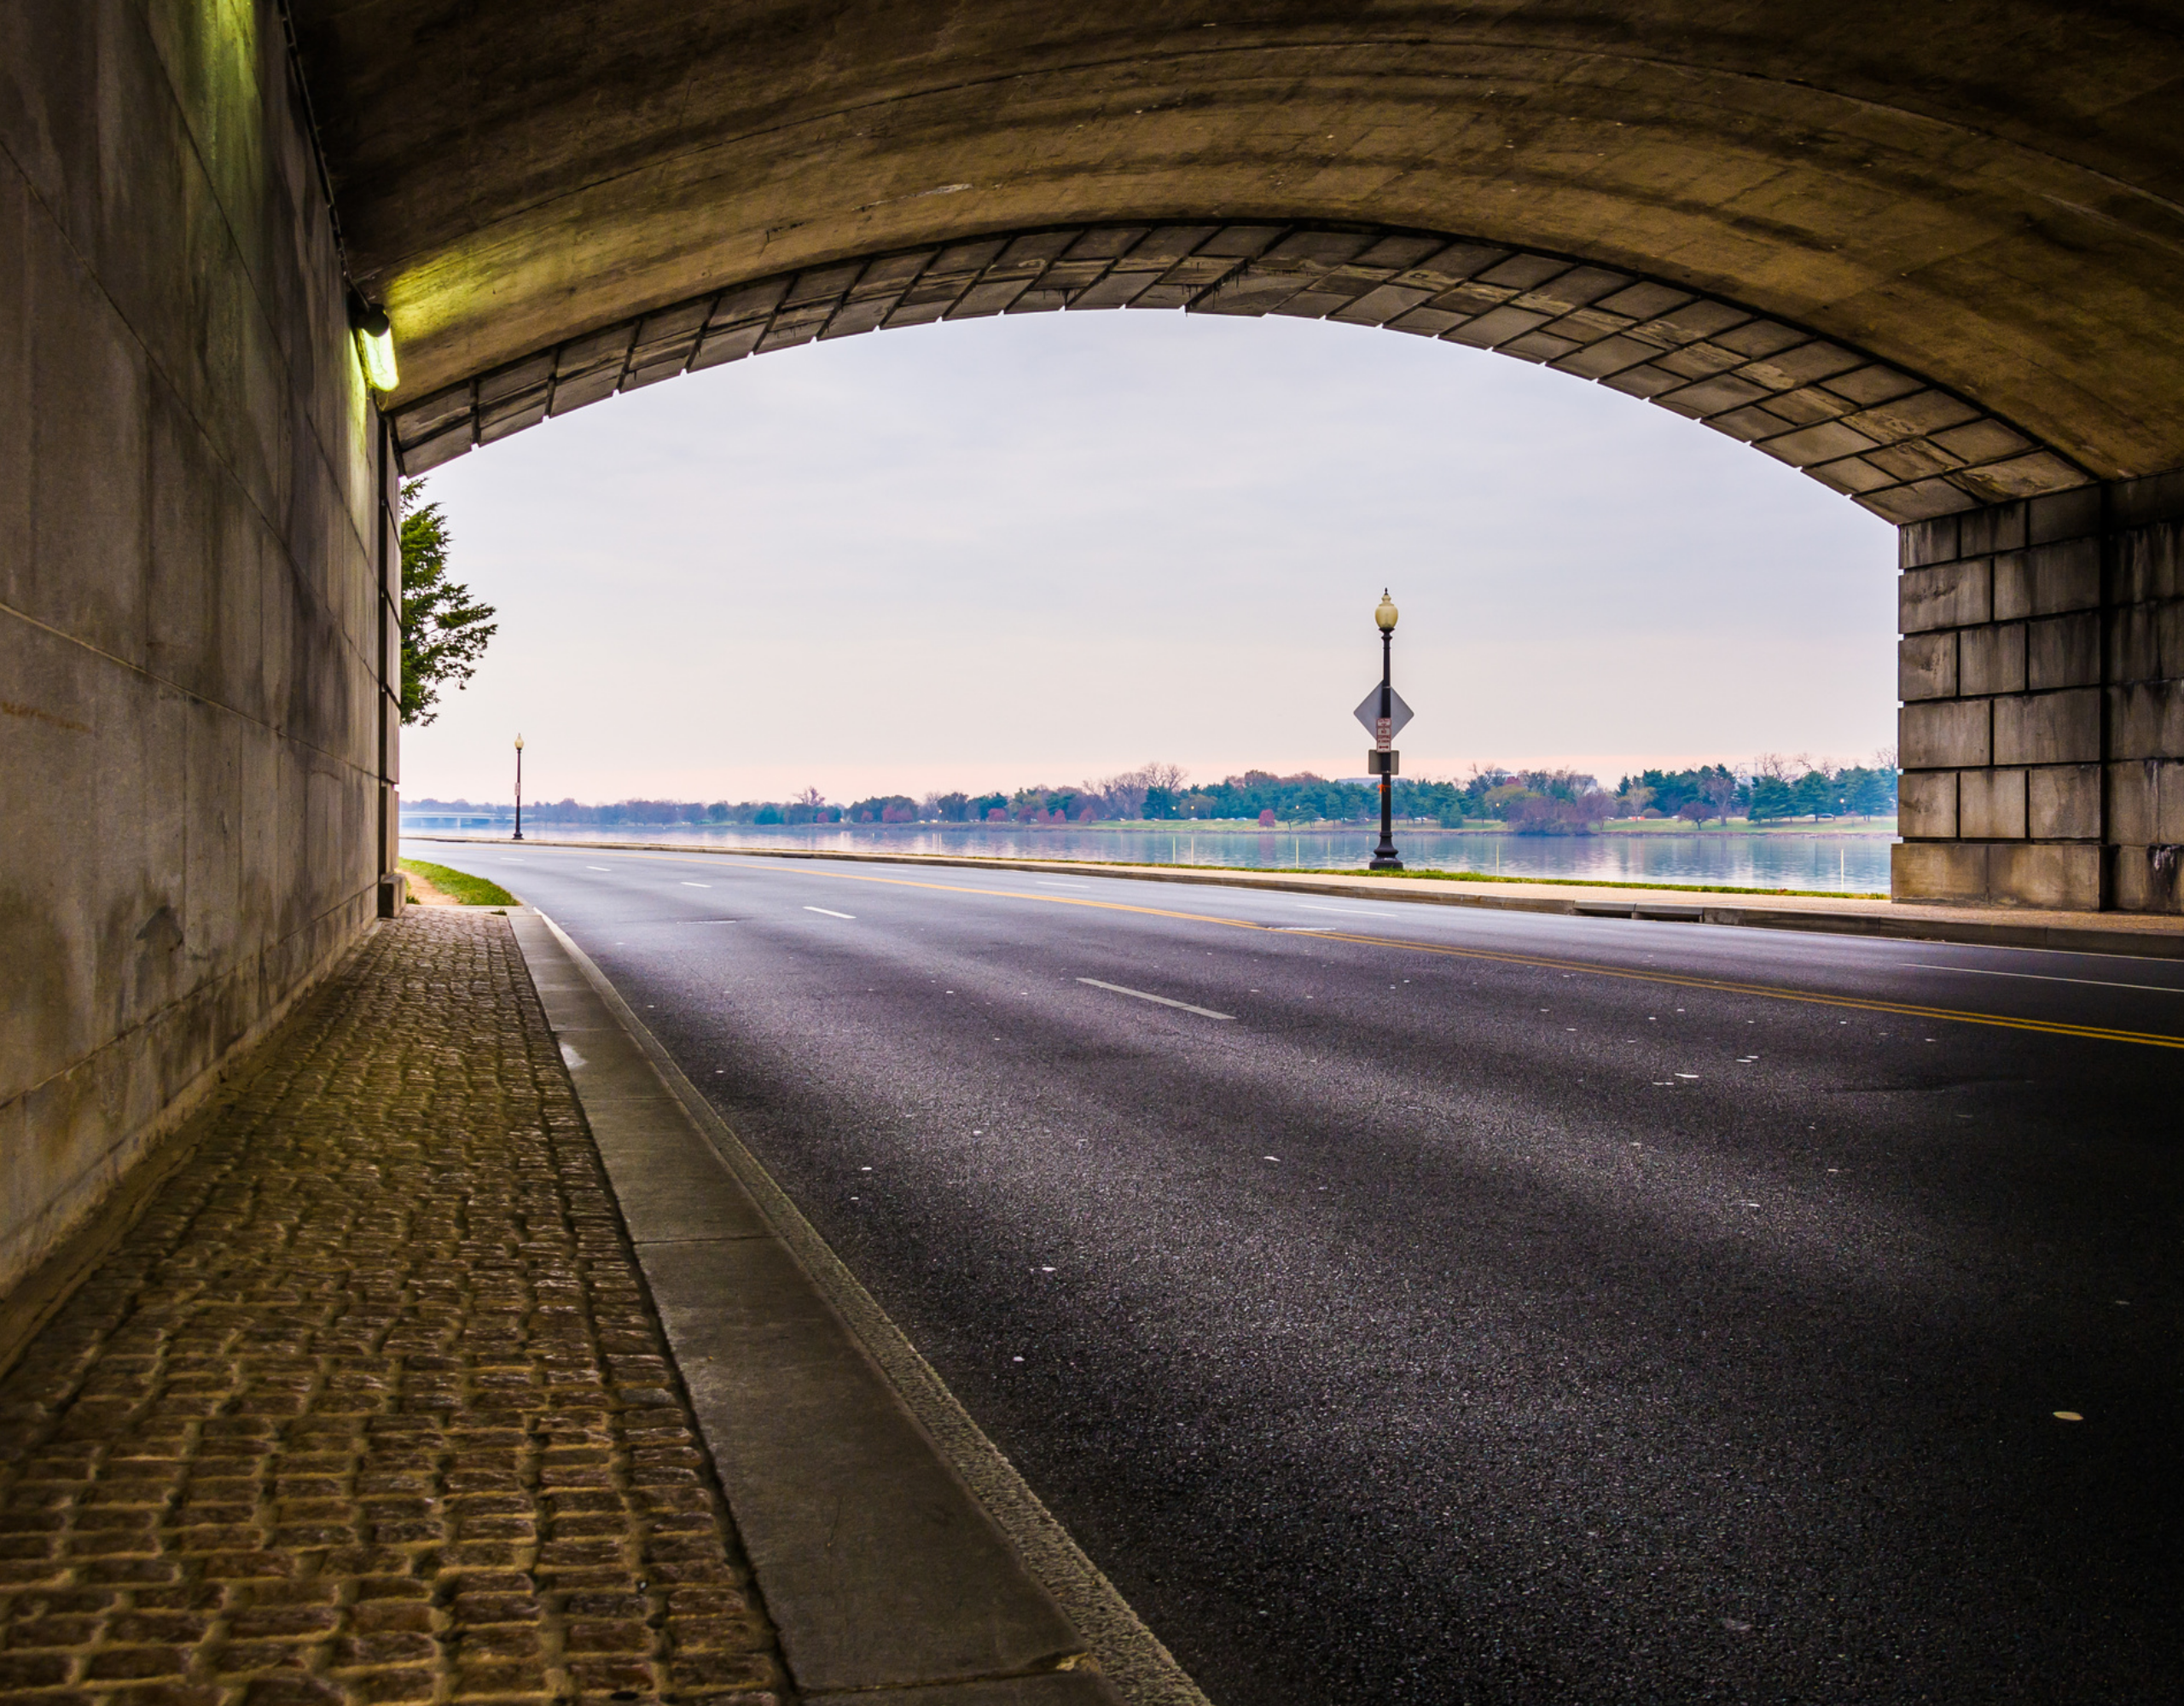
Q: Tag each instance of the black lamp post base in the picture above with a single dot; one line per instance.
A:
(1386, 862)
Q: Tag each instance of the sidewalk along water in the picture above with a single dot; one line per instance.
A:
(1832, 863)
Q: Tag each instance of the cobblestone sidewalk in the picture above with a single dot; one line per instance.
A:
(370, 1406)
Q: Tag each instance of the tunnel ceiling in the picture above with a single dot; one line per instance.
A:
(1983, 198)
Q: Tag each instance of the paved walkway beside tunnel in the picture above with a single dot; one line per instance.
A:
(370, 1405)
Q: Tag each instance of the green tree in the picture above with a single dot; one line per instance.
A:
(1772, 798)
(1870, 792)
(443, 630)
(1815, 795)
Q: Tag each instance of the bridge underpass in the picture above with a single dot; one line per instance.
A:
(1927, 257)
(1925, 262)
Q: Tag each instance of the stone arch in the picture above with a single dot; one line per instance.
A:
(1903, 448)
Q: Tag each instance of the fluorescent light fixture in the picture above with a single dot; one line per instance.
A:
(375, 345)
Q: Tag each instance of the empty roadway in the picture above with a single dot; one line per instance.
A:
(1419, 1304)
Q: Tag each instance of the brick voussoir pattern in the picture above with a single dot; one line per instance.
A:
(371, 1405)
(1905, 449)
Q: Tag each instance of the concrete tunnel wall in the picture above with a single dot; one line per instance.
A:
(196, 734)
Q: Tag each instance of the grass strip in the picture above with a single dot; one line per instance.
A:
(460, 886)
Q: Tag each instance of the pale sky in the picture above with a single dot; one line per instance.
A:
(1047, 547)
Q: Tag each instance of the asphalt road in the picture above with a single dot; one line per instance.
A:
(1486, 1307)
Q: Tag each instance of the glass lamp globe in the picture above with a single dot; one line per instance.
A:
(1386, 615)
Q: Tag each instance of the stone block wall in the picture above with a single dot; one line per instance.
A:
(2041, 671)
(194, 583)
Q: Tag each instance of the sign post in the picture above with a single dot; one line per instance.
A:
(1384, 714)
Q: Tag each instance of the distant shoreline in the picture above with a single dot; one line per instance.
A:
(1884, 827)
(1880, 828)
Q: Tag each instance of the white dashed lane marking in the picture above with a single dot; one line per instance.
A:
(1139, 994)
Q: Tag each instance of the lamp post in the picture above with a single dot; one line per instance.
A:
(518, 789)
(1385, 857)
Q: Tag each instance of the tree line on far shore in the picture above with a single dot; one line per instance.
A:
(1548, 802)
(445, 631)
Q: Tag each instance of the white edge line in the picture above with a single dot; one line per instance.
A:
(1131, 1656)
(2045, 977)
(831, 913)
(1203, 1012)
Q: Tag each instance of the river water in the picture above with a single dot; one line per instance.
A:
(1836, 863)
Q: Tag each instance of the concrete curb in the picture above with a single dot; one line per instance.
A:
(2132, 935)
(900, 1555)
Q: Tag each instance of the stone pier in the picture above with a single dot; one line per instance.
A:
(2042, 670)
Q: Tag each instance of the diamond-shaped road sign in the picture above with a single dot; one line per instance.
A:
(1368, 713)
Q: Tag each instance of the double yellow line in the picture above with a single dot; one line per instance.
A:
(1772, 992)
(1721, 986)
